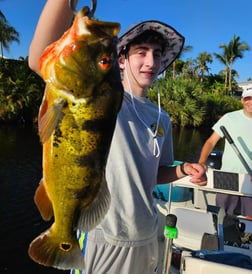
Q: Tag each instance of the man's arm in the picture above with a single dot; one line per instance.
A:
(208, 147)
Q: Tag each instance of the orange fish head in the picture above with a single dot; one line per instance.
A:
(83, 57)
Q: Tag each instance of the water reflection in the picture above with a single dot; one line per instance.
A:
(188, 143)
(20, 173)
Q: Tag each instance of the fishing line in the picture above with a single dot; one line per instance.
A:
(156, 149)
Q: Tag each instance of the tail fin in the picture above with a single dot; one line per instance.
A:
(50, 250)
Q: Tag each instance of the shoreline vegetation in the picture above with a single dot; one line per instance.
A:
(189, 101)
(189, 93)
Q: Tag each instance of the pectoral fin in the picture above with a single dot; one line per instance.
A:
(43, 202)
(49, 117)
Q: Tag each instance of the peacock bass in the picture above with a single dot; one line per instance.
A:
(76, 122)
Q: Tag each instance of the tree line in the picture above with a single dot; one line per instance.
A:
(189, 93)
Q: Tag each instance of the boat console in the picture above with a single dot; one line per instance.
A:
(220, 181)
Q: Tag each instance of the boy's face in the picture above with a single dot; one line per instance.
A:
(143, 65)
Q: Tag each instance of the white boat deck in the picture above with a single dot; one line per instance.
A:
(190, 232)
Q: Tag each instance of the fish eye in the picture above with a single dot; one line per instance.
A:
(105, 62)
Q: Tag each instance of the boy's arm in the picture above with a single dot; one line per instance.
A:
(54, 20)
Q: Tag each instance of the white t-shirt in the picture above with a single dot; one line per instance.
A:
(131, 172)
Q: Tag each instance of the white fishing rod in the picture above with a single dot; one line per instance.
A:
(238, 153)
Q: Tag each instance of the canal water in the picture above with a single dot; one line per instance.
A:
(20, 173)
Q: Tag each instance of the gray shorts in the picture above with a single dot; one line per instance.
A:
(103, 258)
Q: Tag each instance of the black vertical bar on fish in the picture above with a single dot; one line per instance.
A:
(238, 153)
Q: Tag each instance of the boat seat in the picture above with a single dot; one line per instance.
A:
(194, 224)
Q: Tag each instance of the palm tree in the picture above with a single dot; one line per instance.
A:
(231, 52)
(223, 58)
(202, 60)
(236, 49)
(7, 34)
(184, 50)
(189, 69)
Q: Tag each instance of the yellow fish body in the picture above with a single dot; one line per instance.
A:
(76, 123)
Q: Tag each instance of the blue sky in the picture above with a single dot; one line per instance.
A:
(205, 23)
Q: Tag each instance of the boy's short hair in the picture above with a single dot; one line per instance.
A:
(149, 37)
